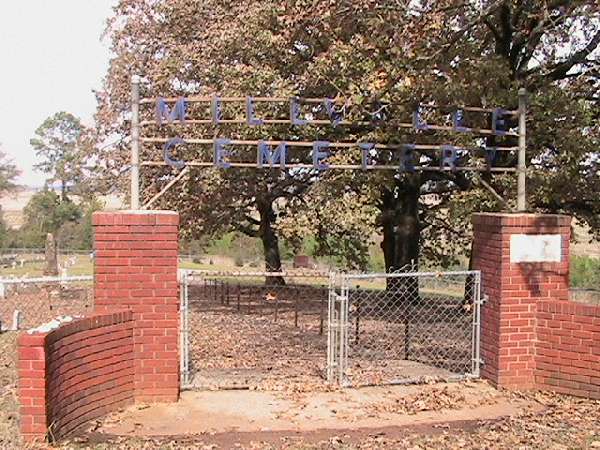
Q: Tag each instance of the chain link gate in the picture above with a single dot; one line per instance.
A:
(241, 330)
(381, 328)
(403, 327)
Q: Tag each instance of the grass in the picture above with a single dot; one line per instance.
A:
(76, 265)
(585, 271)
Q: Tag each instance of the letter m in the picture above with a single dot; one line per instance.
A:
(266, 155)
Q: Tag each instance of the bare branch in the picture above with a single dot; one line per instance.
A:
(559, 71)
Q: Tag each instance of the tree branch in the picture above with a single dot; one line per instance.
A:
(559, 71)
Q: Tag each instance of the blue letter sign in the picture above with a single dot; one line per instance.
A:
(268, 156)
(448, 157)
(221, 154)
(250, 119)
(163, 113)
(178, 164)
(318, 156)
(406, 161)
(295, 113)
(365, 149)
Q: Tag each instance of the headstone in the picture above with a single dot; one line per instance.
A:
(51, 256)
(302, 262)
(16, 322)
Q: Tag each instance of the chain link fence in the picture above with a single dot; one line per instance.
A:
(404, 327)
(29, 302)
(239, 331)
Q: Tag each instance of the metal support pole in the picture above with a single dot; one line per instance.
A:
(135, 142)
(521, 167)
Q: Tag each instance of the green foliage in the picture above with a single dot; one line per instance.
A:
(57, 141)
(70, 222)
(585, 272)
(8, 174)
(46, 213)
(79, 234)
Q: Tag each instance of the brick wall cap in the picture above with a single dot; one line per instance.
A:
(515, 214)
(135, 217)
(521, 219)
(142, 212)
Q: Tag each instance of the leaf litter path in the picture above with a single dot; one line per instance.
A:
(213, 413)
(233, 350)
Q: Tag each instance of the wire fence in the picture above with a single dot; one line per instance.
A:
(239, 331)
(29, 302)
(242, 332)
(421, 326)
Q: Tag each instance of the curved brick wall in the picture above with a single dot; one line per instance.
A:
(80, 371)
(568, 348)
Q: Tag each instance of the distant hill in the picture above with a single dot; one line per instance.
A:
(12, 205)
(12, 213)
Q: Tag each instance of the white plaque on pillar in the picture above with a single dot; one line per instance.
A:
(535, 248)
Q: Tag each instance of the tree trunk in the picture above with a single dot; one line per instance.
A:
(270, 242)
(401, 231)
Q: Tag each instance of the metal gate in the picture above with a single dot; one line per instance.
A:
(403, 327)
(244, 330)
(381, 328)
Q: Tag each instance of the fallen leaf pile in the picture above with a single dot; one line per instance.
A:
(430, 399)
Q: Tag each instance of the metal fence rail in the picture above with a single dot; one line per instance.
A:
(29, 302)
(404, 327)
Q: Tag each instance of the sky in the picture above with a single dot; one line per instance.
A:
(52, 59)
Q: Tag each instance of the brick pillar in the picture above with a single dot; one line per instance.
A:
(32, 387)
(136, 268)
(518, 270)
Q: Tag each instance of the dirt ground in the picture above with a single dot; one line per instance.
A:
(245, 411)
(438, 417)
(453, 416)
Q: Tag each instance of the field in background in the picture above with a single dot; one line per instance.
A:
(585, 270)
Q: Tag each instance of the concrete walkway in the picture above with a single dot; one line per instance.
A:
(256, 411)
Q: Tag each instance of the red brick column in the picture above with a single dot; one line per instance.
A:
(33, 389)
(136, 268)
(513, 285)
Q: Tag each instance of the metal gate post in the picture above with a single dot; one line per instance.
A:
(343, 326)
(478, 301)
(337, 331)
(184, 366)
(331, 334)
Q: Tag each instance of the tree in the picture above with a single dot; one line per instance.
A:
(478, 54)
(210, 201)
(57, 141)
(79, 234)
(8, 175)
(46, 213)
(483, 56)
(241, 201)
(384, 58)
